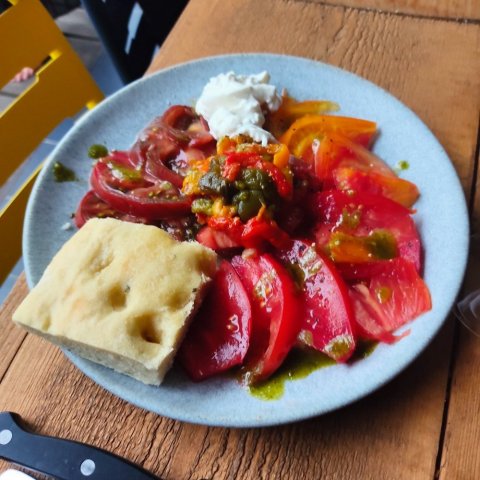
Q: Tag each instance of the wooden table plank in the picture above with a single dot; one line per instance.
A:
(454, 9)
(395, 433)
(461, 457)
(11, 337)
(56, 399)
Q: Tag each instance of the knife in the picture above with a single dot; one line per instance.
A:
(60, 458)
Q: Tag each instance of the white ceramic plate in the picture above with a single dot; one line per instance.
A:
(442, 221)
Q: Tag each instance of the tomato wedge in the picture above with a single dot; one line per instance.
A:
(364, 228)
(304, 131)
(394, 295)
(218, 338)
(276, 311)
(327, 317)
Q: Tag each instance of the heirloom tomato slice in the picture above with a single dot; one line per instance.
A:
(276, 311)
(364, 228)
(310, 128)
(352, 179)
(130, 191)
(344, 164)
(215, 239)
(393, 295)
(327, 315)
(290, 110)
(218, 338)
(336, 150)
(92, 206)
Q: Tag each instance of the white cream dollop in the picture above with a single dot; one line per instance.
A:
(232, 105)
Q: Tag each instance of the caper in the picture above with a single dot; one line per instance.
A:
(248, 203)
(97, 151)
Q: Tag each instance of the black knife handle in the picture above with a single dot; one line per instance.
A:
(62, 459)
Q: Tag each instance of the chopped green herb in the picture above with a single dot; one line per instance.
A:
(62, 173)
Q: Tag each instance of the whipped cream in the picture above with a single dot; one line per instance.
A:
(232, 105)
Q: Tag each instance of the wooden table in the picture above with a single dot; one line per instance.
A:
(423, 425)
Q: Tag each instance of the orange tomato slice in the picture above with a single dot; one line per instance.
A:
(302, 133)
(291, 110)
(402, 191)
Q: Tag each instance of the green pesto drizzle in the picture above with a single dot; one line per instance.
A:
(63, 174)
(300, 364)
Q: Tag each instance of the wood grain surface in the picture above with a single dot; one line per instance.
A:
(461, 456)
(396, 433)
(446, 9)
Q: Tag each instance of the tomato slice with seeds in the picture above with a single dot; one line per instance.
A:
(363, 228)
(129, 191)
(276, 313)
(92, 206)
(327, 315)
(394, 295)
(219, 336)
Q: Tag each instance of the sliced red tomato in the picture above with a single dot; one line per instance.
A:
(327, 315)
(92, 206)
(259, 230)
(275, 314)
(129, 191)
(218, 338)
(164, 147)
(394, 295)
(216, 240)
(256, 233)
(352, 179)
(363, 228)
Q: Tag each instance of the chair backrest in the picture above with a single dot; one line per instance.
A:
(62, 88)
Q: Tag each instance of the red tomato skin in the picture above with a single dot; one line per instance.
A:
(276, 313)
(376, 212)
(393, 296)
(131, 202)
(91, 206)
(219, 336)
(336, 150)
(216, 240)
(327, 315)
(394, 188)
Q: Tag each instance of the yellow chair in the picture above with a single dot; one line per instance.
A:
(61, 89)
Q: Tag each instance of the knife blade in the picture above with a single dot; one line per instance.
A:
(60, 458)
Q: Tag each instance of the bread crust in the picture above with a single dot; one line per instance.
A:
(122, 295)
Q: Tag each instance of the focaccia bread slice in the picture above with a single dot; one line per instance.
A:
(120, 294)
